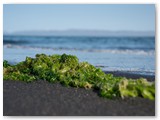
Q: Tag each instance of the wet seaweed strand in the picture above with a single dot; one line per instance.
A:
(67, 70)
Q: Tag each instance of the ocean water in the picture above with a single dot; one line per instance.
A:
(127, 54)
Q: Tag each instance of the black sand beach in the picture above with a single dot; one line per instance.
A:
(46, 99)
(131, 75)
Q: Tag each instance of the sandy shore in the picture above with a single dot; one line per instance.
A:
(132, 75)
(43, 98)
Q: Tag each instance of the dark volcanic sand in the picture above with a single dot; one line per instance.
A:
(43, 98)
(132, 75)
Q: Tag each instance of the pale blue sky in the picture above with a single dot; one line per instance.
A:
(19, 17)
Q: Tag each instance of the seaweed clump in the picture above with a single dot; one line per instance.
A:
(67, 70)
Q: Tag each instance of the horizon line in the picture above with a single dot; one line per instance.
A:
(74, 29)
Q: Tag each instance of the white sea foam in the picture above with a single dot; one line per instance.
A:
(112, 51)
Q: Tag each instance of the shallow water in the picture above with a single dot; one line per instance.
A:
(130, 54)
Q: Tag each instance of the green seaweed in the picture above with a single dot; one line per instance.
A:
(67, 70)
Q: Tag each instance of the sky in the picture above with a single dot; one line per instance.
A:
(122, 17)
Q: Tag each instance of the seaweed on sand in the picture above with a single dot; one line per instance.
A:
(67, 70)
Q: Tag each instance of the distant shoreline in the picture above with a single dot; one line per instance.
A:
(89, 36)
(83, 32)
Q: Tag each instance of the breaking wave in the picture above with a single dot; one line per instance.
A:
(112, 51)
